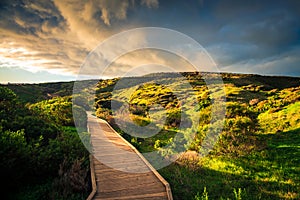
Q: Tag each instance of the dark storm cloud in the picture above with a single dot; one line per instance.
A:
(255, 31)
(26, 17)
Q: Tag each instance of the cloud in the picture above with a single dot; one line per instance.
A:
(42, 33)
(147, 61)
(253, 38)
(104, 10)
(150, 3)
(19, 75)
(278, 30)
(58, 35)
(113, 9)
(274, 65)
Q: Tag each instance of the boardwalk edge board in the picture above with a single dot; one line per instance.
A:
(93, 180)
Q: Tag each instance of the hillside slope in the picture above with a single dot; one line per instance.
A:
(257, 154)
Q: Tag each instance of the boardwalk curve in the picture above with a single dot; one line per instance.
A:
(115, 178)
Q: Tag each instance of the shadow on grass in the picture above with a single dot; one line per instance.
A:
(282, 153)
(185, 184)
(245, 96)
(272, 173)
(269, 82)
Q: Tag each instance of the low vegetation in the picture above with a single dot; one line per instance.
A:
(257, 155)
(41, 154)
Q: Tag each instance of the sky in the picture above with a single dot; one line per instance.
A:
(48, 40)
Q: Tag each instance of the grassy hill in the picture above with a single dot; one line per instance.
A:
(257, 155)
(33, 93)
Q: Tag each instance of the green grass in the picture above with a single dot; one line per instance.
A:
(273, 173)
(270, 171)
(284, 119)
(257, 156)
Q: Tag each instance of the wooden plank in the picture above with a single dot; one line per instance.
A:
(139, 190)
(128, 182)
(121, 161)
(131, 177)
(104, 144)
(122, 175)
(137, 166)
(154, 196)
(104, 172)
(107, 150)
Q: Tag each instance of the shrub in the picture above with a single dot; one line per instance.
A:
(72, 179)
(173, 117)
(80, 118)
(14, 157)
(103, 113)
(57, 110)
(138, 109)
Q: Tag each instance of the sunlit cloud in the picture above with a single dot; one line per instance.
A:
(22, 57)
(147, 61)
(58, 36)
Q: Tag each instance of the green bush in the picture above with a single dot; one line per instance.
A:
(34, 144)
(173, 117)
(14, 158)
(57, 110)
(80, 118)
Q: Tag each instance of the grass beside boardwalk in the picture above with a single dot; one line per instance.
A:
(273, 173)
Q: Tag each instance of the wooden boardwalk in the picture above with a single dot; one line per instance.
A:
(118, 170)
